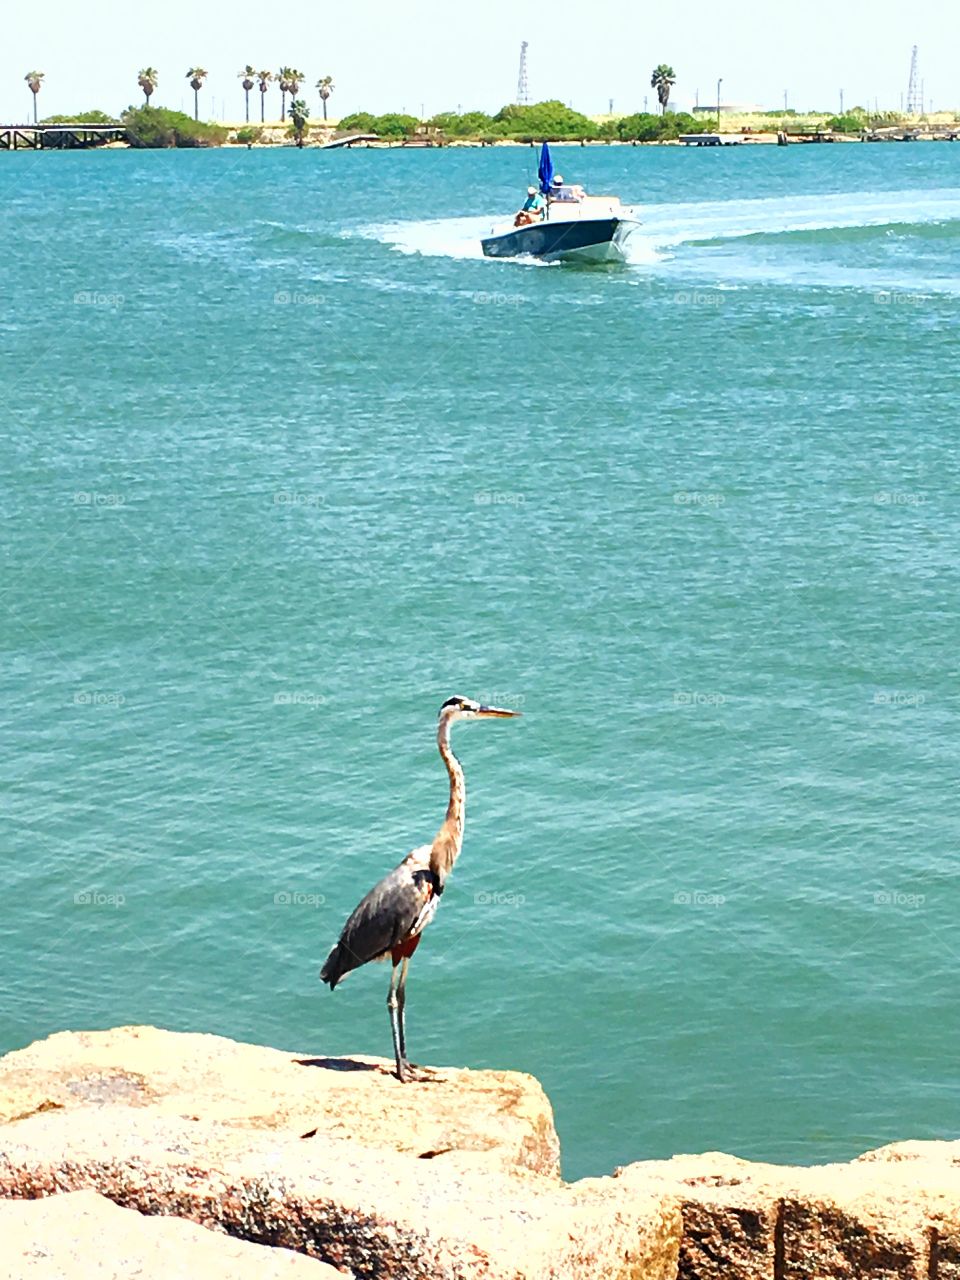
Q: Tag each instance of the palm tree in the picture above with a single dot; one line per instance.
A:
(289, 79)
(246, 76)
(326, 88)
(148, 79)
(196, 76)
(299, 111)
(34, 79)
(264, 77)
(663, 80)
(283, 78)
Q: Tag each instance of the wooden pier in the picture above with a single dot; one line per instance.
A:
(353, 140)
(711, 139)
(58, 137)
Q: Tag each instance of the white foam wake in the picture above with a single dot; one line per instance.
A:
(666, 227)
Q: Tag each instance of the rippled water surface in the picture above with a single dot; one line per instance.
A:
(285, 463)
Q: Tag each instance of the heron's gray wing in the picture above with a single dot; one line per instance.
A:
(380, 920)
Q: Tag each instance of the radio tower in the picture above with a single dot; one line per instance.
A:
(523, 92)
(914, 105)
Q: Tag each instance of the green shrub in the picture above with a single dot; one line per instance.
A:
(159, 127)
(472, 124)
(849, 123)
(359, 122)
(82, 117)
(394, 125)
(550, 120)
(249, 135)
(647, 127)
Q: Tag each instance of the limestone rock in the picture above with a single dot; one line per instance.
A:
(381, 1214)
(454, 1177)
(82, 1236)
(882, 1217)
(503, 1114)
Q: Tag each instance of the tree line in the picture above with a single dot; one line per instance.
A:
(288, 80)
(552, 120)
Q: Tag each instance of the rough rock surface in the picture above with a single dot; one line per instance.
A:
(378, 1213)
(82, 1236)
(892, 1213)
(450, 1178)
(504, 1114)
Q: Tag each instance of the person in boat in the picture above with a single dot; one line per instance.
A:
(560, 192)
(532, 209)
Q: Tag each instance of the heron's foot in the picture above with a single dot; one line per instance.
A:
(410, 1072)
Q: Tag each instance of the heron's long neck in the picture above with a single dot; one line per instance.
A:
(449, 839)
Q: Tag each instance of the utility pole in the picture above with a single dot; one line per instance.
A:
(719, 83)
(785, 100)
(841, 102)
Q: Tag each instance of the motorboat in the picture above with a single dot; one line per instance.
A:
(571, 226)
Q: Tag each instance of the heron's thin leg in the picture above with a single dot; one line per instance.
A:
(402, 1000)
(392, 1005)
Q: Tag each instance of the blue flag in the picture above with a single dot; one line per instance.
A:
(545, 172)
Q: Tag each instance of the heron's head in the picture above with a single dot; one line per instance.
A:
(466, 709)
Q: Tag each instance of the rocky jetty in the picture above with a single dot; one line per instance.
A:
(140, 1146)
(80, 1233)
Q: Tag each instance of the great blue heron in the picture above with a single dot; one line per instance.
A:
(393, 915)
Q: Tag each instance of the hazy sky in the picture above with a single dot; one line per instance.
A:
(387, 55)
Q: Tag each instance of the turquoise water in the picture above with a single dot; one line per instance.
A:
(286, 463)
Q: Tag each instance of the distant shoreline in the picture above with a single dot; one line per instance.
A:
(320, 135)
(406, 144)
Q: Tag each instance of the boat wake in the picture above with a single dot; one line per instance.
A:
(671, 225)
(680, 238)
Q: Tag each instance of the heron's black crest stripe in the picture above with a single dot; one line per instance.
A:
(428, 880)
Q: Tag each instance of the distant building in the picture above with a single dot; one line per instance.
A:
(730, 108)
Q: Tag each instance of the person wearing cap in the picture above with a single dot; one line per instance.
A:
(559, 192)
(532, 208)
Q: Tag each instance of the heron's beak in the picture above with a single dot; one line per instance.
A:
(498, 712)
